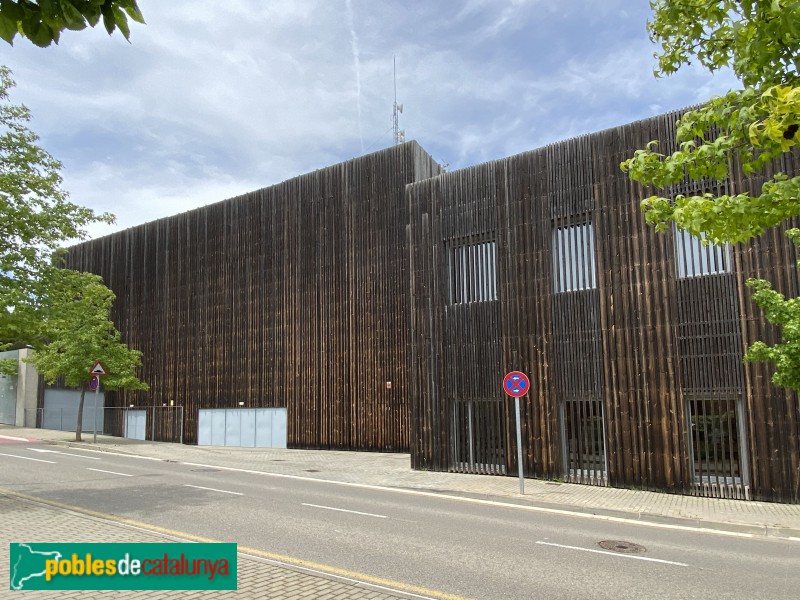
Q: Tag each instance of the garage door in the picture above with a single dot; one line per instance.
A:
(61, 410)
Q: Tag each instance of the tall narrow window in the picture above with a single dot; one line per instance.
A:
(583, 438)
(696, 258)
(473, 273)
(715, 437)
(573, 258)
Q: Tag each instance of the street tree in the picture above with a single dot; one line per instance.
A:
(43, 21)
(79, 333)
(750, 127)
(36, 218)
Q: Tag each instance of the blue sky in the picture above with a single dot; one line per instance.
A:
(213, 99)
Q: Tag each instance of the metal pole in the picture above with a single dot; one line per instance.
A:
(96, 392)
(519, 450)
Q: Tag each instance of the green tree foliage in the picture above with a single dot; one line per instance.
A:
(8, 366)
(80, 332)
(36, 217)
(62, 314)
(42, 21)
(785, 313)
(760, 41)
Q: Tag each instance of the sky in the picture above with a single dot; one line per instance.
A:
(213, 99)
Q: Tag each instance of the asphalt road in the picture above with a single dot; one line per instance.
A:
(476, 550)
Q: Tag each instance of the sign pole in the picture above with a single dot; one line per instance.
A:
(519, 449)
(97, 391)
(96, 372)
(517, 384)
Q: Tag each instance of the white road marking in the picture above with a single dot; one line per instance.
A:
(52, 462)
(120, 454)
(617, 554)
(110, 472)
(64, 453)
(16, 439)
(355, 512)
(509, 505)
(200, 487)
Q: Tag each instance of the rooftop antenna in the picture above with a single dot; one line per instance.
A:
(399, 134)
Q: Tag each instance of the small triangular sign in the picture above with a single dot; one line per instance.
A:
(98, 369)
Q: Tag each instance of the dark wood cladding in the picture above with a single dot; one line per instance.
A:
(313, 293)
(640, 351)
(290, 296)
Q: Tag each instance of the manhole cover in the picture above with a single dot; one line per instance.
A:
(624, 547)
(311, 471)
(206, 470)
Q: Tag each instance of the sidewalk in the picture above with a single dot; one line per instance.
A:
(393, 471)
(26, 521)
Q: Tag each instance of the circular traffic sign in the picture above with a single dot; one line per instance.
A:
(94, 382)
(516, 384)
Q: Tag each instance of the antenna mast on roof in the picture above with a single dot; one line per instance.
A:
(399, 134)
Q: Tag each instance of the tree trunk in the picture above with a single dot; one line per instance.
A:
(79, 424)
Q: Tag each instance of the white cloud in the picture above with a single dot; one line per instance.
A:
(213, 99)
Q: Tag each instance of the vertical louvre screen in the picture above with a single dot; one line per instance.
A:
(715, 442)
(573, 258)
(584, 440)
(696, 258)
(473, 273)
(478, 437)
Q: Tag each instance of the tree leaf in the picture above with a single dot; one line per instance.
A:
(72, 16)
(8, 28)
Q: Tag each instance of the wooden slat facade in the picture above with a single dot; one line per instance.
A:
(312, 293)
(636, 371)
(290, 296)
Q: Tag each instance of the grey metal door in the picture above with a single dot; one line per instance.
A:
(8, 393)
(8, 400)
(135, 424)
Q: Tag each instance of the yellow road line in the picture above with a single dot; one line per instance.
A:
(289, 560)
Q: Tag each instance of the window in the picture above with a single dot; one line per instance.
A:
(473, 273)
(573, 258)
(696, 258)
(715, 437)
(583, 438)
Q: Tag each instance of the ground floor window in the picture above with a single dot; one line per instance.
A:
(478, 437)
(716, 440)
(584, 439)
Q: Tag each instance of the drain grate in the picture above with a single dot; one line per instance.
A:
(311, 470)
(624, 547)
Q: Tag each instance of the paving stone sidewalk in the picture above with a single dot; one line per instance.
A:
(25, 521)
(393, 470)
